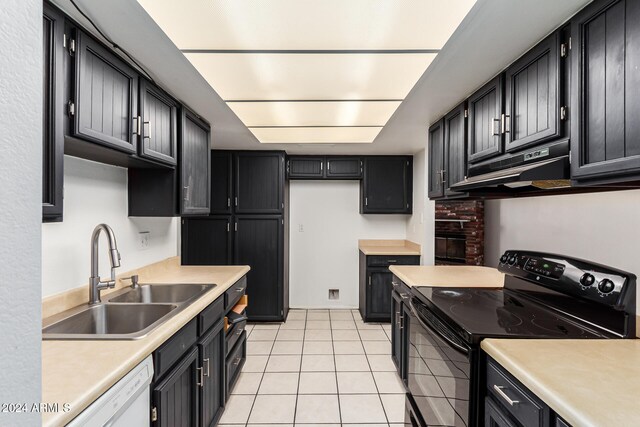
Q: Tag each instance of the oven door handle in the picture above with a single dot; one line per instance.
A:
(455, 345)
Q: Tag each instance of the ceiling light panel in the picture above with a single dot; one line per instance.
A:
(316, 135)
(308, 24)
(311, 76)
(346, 113)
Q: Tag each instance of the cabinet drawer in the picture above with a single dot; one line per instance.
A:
(386, 260)
(210, 315)
(520, 404)
(233, 294)
(235, 361)
(234, 333)
(173, 349)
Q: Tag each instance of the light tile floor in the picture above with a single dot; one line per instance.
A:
(321, 367)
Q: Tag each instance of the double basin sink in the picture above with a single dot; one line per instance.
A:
(128, 314)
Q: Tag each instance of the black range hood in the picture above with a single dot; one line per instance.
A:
(543, 168)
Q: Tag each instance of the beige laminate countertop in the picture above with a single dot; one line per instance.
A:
(467, 276)
(587, 382)
(78, 372)
(388, 247)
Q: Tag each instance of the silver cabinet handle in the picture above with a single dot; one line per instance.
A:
(502, 394)
(237, 361)
(186, 193)
(236, 200)
(239, 289)
(201, 377)
(498, 122)
(392, 260)
(146, 135)
(208, 371)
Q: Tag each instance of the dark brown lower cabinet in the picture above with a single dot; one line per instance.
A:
(176, 396)
(400, 312)
(211, 350)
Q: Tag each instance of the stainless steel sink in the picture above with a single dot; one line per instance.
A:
(107, 321)
(153, 294)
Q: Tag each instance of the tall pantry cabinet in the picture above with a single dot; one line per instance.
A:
(247, 226)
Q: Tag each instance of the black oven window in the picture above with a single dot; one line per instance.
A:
(438, 379)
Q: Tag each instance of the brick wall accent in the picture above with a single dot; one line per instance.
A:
(472, 211)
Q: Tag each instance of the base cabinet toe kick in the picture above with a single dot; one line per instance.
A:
(196, 369)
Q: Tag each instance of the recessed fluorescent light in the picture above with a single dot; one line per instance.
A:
(315, 135)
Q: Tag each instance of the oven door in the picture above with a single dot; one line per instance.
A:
(442, 371)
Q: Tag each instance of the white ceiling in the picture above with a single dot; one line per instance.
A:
(490, 37)
(309, 50)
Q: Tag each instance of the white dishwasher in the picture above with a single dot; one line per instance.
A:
(125, 404)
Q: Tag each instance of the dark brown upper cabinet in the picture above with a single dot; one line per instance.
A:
(195, 166)
(455, 142)
(54, 85)
(436, 160)
(387, 185)
(159, 124)
(605, 99)
(532, 96)
(105, 105)
(343, 167)
(486, 121)
(221, 188)
(305, 167)
(259, 183)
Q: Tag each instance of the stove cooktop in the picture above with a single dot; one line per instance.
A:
(499, 313)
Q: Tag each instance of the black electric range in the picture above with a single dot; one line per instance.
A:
(544, 296)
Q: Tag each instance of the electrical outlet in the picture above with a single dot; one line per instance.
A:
(301, 228)
(334, 293)
(143, 240)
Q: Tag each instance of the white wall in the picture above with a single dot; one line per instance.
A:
(601, 227)
(420, 226)
(21, 204)
(325, 254)
(95, 193)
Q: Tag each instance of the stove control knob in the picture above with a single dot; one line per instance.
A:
(504, 258)
(512, 260)
(605, 286)
(587, 279)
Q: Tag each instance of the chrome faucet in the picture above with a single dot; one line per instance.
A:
(95, 284)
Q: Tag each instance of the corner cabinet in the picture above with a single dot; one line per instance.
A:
(436, 160)
(54, 86)
(195, 166)
(387, 185)
(605, 67)
(455, 144)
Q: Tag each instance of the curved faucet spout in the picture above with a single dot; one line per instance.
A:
(95, 284)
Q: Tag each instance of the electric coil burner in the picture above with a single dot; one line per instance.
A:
(544, 296)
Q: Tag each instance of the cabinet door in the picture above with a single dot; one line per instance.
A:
(305, 167)
(176, 397)
(194, 164)
(344, 168)
(259, 183)
(258, 242)
(221, 192)
(212, 360)
(485, 123)
(159, 129)
(379, 295)
(53, 102)
(455, 143)
(532, 96)
(387, 185)
(495, 417)
(396, 337)
(206, 241)
(436, 160)
(106, 97)
(605, 130)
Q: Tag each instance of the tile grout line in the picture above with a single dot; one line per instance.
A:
(335, 369)
(304, 334)
(255, 396)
